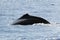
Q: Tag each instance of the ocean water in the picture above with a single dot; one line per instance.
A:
(11, 10)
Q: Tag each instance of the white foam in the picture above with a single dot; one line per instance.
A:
(52, 24)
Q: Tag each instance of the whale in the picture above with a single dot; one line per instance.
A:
(27, 19)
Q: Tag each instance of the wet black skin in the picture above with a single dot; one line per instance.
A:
(31, 20)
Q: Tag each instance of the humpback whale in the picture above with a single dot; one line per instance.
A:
(27, 19)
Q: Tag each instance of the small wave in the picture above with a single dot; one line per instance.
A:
(52, 24)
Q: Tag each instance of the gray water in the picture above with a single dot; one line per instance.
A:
(11, 10)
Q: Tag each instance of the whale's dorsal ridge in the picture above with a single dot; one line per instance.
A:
(25, 16)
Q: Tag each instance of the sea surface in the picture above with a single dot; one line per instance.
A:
(11, 10)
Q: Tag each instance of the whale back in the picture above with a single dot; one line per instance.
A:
(27, 19)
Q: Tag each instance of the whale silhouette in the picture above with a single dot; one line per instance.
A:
(27, 19)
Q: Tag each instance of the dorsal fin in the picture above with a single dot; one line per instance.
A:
(25, 16)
